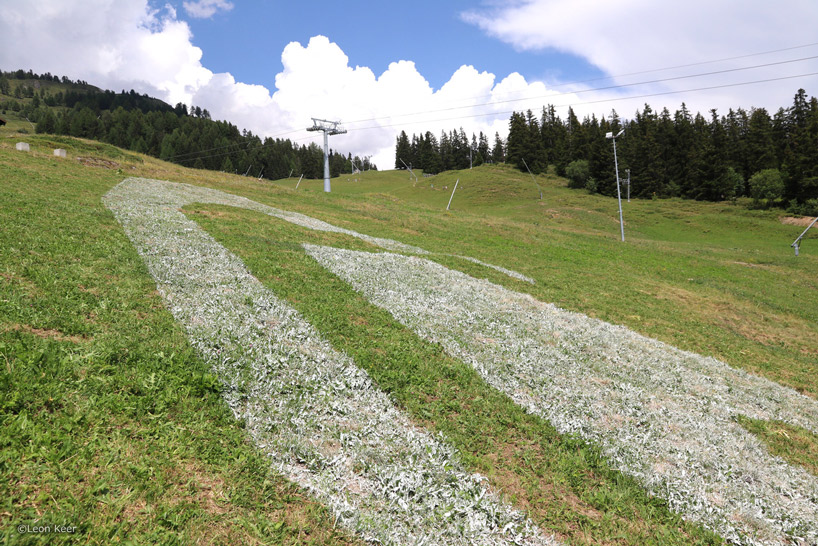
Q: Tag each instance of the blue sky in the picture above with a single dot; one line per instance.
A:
(247, 40)
(382, 67)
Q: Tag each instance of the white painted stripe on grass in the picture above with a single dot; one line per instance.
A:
(320, 418)
(660, 414)
(510, 272)
(186, 193)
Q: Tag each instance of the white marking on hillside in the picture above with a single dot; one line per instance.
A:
(319, 417)
(660, 414)
(509, 272)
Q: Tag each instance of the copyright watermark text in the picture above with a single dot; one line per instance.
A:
(46, 529)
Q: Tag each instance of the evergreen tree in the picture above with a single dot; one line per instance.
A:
(429, 154)
(520, 150)
(46, 123)
(498, 154)
(536, 156)
(715, 184)
(446, 152)
(402, 150)
(601, 156)
(760, 151)
(483, 152)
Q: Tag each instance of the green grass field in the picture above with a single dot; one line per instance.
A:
(112, 424)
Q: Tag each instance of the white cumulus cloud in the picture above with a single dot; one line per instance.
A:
(202, 9)
(623, 37)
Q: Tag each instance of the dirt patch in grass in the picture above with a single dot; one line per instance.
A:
(92, 290)
(98, 162)
(206, 490)
(208, 213)
(555, 214)
(796, 220)
(22, 282)
(46, 333)
(757, 266)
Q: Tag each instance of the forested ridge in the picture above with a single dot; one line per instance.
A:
(772, 159)
(144, 124)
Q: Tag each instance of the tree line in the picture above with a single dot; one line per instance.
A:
(453, 151)
(187, 136)
(771, 158)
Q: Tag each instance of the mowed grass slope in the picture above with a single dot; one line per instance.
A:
(113, 425)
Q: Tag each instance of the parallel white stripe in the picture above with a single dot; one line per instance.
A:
(660, 414)
(319, 417)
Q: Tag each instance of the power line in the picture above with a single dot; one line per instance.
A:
(612, 99)
(688, 65)
(606, 88)
(643, 72)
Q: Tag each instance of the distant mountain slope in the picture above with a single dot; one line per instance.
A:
(47, 103)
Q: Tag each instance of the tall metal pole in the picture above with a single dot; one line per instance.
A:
(327, 189)
(618, 196)
(452, 196)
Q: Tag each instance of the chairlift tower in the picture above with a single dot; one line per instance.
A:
(328, 128)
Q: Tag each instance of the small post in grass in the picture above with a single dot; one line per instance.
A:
(795, 243)
(299, 181)
(532, 177)
(454, 190)
(410, 169)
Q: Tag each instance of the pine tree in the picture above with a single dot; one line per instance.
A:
(518, 141)
(46, 123)
(759, 142)
(402, 150)
(641, 153)
(498, 152)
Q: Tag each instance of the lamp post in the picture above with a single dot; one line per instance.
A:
(618, 194)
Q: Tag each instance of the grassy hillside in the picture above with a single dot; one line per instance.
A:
(713, 278)
(114, 425)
